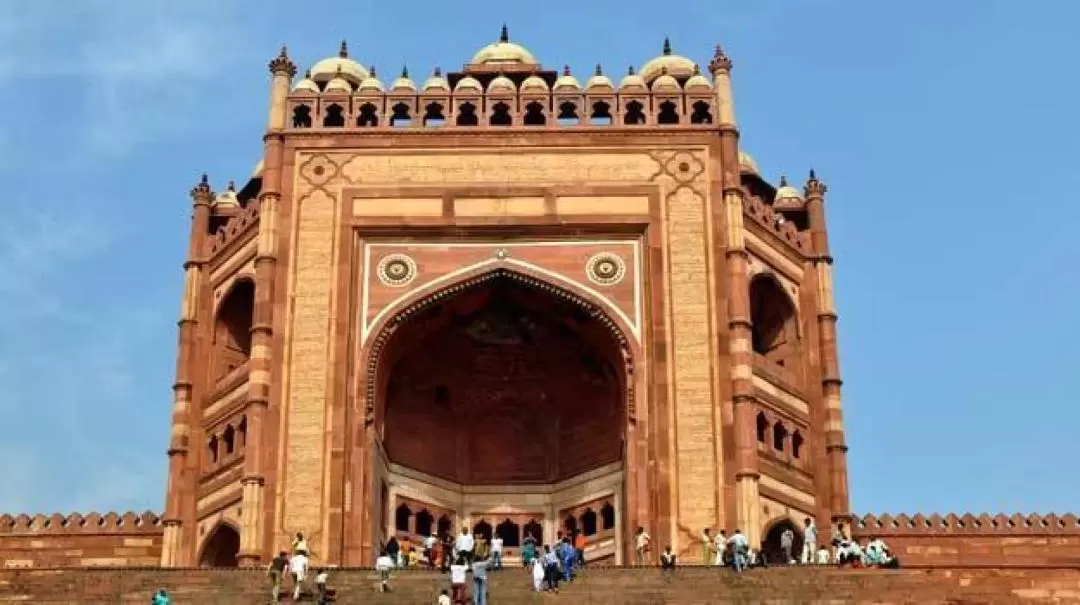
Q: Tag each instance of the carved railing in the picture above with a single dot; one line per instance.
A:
(235, 226)
(764, 216)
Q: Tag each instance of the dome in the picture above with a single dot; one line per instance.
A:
(502, 84)
(307, 85)
(697, 82)
(632, 81)
(534, 84)
(787, 194)
(403, 83)
(339, 84)
(468, 84)
(372, 84)
(665, 82)
(747, 163)
(566, 81)
(327, 69)
(677, 66)
(599, 80)
(502, 52)
(227, 198)
(437, 83)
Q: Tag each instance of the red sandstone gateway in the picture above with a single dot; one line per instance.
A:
(512, 300)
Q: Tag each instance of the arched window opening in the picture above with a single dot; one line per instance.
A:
(228, 438)
(335, 117)
(570, 524)
(796, 444)
(500, 115)
(369, 116)
(399, 115)
(772, 545)
(588, 522)
(762, 427)
(534, 114)
(232, 329)
(668, 113)
(424, 522)
(779, 437)
(700, 113)
(221, 548)
(241, 433)
(483, 528)
(774, 328)
(466, 115)
(212, 449)
(402, 518)
(534, 529)
(301, 117)
(509, 532)
(601, 114)
(607, 516)
(433, 115)
(444, 526)
(568, 114)
(635, 113)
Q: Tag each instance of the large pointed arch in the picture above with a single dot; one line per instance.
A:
(221, 547)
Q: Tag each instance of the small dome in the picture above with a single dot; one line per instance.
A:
(468, 84)
(372, 84)
(339, 84)
(665, 82)
(437, 83)
(787, 194)
(632, 81)
(747, 163)
(307, 85)
(534, 84)
(403, 83)
(502, 84)
(327, 69)
(599, 80)
(227, 198)
(566, 81)
(503, 52)
(697, 82)
(677, 66)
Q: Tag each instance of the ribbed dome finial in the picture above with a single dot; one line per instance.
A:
(404, 71)
(504, 35)
(630, 71)
(667, 46)
(343, 52)
(566, 70)
(783, 181)
(438, 72)
(599, 70)
(231, 186)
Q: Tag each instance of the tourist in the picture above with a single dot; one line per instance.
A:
(787, 540)
(298, 567)
(667, 559)
(839, 536)
(822, 556)
(383, 565)
(579, 548)
(465, 545)
(551, 568)
(299, 545)
(446, 558)
(444, 598)
(538, 574)
(809, 547)
(480, 547)
(430, 542)
(276, 571)
(161, 597)
(480, 578)
(458, 571)
(642, 545)
(706, 546)
(740, 547)
(528, 550)
(496, 552)
(405, 552)
(320, 585)
(720, 549)
(393, 550)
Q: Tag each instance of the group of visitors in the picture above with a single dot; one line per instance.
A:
(554, 564)
(296, 569)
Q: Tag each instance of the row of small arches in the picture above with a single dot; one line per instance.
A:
(779, 437)
(535, 113)
(226, 442)
(589, 523)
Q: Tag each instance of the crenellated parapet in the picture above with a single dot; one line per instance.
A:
(76, 523)
(967, 524)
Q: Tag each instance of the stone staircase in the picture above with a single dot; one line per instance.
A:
(607, 586)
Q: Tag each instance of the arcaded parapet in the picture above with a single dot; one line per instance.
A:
(75, 540)
(977, 540)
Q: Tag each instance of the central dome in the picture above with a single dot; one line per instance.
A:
(674, 65)
(503, 52)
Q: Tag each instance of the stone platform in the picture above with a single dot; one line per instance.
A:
(607, 586)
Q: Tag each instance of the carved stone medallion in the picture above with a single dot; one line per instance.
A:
(605, 269)
(397, 270)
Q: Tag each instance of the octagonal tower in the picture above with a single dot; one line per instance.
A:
(506, 300)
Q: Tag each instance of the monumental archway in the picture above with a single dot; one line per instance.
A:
(502, 404)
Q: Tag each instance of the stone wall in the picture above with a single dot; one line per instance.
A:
(78, 541)
(978, 541)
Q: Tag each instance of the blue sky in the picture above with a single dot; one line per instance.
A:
(947, 133)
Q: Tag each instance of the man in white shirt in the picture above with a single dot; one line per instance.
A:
(642, 545)
(787, 539)
(496, 552)
(465, 545)
(740, 548)
(458, 572)
(383, 565)
(298, 567)
(444, 598)
(809, 547)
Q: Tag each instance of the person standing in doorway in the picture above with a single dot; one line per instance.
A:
(787, 539)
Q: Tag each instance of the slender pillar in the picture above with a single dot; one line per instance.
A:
(833, 429)
(180, 437)
(252, 530)
(747, 516)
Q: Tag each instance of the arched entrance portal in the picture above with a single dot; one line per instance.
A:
(222, 548)
(503, 406)
(773, 544)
